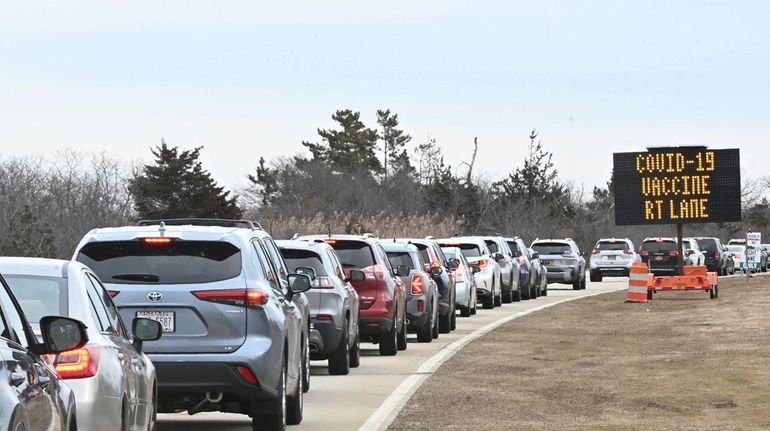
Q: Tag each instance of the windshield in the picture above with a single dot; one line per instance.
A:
(655, 247)
(178, 262)
(39, 296)
(296, 258)
(492, 246)
(468, 250)
(614, 246)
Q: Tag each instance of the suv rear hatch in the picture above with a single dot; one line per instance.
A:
(555, 254)
(710, 249)
(355, 254)
(611, 252)
(660, 254)
(156, 279)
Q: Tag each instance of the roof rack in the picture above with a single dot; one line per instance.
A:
(369, 235)
(475, 234)
(203, 222)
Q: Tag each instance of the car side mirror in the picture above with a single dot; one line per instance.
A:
(306, 270)
(61, 334)
(356, 275)
(298, 283)
(402, 271)
(475, 269)
(499, 257)
(435, 271)
(690, 251)
(145, 330)
(517, 253)
(454, 263)
(535, 255)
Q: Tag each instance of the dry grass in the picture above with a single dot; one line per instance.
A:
(383, 225)
(680, 362)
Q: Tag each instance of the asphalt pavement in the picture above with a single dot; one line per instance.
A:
(366, 396)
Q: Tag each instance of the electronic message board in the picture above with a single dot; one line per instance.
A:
(677, 185)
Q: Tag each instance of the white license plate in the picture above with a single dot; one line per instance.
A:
(658, 257)
(166, 318)
(611, 257)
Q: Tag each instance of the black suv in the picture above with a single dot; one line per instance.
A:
(716, 259)
(661, 255)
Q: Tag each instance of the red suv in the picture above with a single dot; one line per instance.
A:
(382, 294)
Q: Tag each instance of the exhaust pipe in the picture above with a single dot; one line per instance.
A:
(214, 399)
(209, 399)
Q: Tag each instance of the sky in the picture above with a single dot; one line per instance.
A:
(250, 79)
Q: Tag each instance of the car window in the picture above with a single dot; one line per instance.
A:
(612, 246)
(353, 254)
(397, 258)
(295, 258)
(492, 245)
(278, 263)
(14, 324)
(178, 262)
(267, 268)
(384, 257)
(469, 249)
(335, 263)
(423, 249)
(112, 312)
(550, 248)
(654, 246)
(39, 296)
(707, 244)
(94, 297)
(438, 252)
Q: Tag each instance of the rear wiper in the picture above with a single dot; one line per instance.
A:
(137, 277)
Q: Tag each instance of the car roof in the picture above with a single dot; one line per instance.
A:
(613, 239)
(186, 232)
(399, 246)
(343, 237)
(462, 240)
(303, 245)
(661, 238)
(565, 240)
(36, 266)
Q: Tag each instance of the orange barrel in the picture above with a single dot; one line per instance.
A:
(637, 283)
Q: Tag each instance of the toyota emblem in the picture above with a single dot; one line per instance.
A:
(154, 296)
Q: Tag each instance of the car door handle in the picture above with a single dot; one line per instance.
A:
(17, 378)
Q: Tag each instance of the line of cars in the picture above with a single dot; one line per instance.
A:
(225, 318)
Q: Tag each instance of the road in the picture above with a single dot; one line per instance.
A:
(347, 402)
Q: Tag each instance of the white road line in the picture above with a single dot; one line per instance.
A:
(381, 418)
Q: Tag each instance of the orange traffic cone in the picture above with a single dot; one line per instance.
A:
(637, 283)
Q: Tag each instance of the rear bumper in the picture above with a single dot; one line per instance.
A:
(374, 325)
(324, 338)
(461, 294)
(562, 274)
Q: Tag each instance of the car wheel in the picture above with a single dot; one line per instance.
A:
(525, 293)
(305, 366)
(445, 323)
(401, 342)
(339, 362)
(583, 283)
(124, 425)
(425, 332)
(387, 344)
(489, 302)
(465, 311)
(434, 330)
(295, 404)
(576, 284)
(355, 352)
(453, 315)
(275, 421)
(506, 295)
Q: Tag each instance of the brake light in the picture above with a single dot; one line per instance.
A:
(483, 263)
(322, 282)
(673, 253)
(436, 264)
(717, 254)
(330, 241)
(246, 373)
(78, 363)
(113, 293)
(251, 298)
(595, 251)
(160, 240)
(627, 251)
(324, 318)
(658, 240)
(417, 285)
(645, 253)
(420, 305)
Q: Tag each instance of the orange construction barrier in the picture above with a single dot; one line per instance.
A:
(637, 283)
(694, 278)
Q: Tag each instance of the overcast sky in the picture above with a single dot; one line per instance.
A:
(247, 79)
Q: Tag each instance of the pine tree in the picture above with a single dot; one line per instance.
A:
(176, 185)
(396, 157)
(537, 179)
(352, 149)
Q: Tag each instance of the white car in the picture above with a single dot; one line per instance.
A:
(693, 253)
(465, 282)
(113, 381)
(488, 277)
(739, 256)
(612, 257)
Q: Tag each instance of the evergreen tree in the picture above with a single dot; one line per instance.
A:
(536, 180)
(396, 157)
(176, 185)
(352, 149)
(266, 180)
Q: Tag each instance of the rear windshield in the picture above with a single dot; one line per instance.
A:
(547, 248)
(397, 258)
(707, 244)
(424, 253)
(736, 248)
(614, 246)
(469, 250)
(492, 246)
(39, 296)
(354, 254)
(306, 258)
(654, 246)
(180, 262)
(514, 246)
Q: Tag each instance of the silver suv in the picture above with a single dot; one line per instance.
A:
(235, 338)
(333, 303)
(612, 257)
(564, 261)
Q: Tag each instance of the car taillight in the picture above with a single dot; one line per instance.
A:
(159, 241)
(246, 373)
(251, 298)
(568, 254)
(417, 285)
(78, 363)
(673, 253)
(717, 254)
(627, 251)
(436, 264)
(595, 251)
(322, 282)
(113, 293)
(459, 274)
(645, 253)
(483, 263)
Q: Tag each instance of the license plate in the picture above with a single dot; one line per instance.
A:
(547, 262)
(611, 257)
(658, 257)
(166, 318)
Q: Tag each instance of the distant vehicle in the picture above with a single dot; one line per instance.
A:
(422, 293)
(465, 283)
(539, 269)
(661, 255)
(564, 260)
(234, 320)
(434, 257)
(333, 303)
(763, 256)
(766, 249)
(739, 256)
(32, 395)
(382, 295)
(113, 380)
(694, 256)
(488, 278)
(510, 270)
(612, 257)
(532, 281)
(729, 258)
(716, 259)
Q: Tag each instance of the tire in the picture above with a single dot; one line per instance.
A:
(387, 343)
(401, 340)
(583, 283)
(124, 425)
(355, 352)
(526, 294)
(649, 295)
(498, 300)
(295, 404)
(425, 333)
(153, 420)
(713, 292)
(465, 311)
(576, 284)
(596, 277)
(434, 330)
(274, 421)
(445, 324)
(305, 366)
(489, 302)
(339, 361)
(507, 296)
(453, 315)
